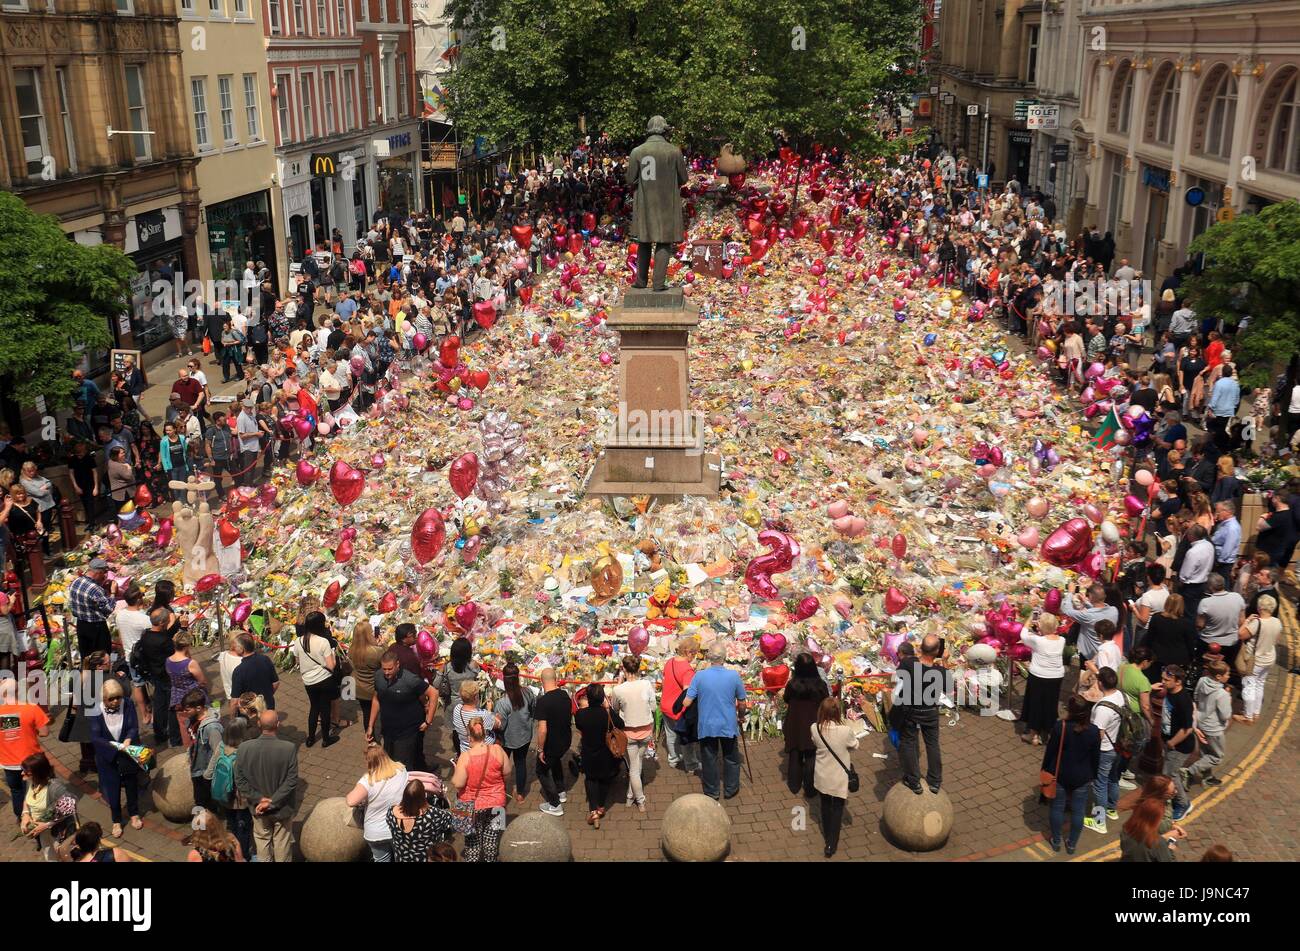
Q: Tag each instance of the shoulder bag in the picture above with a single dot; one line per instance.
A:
(1245, 662)
(615, 738)
(688, 717)
(852, 773)
(463, 810)
(1046, 780)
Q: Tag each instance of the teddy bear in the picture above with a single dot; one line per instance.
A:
(663, 603)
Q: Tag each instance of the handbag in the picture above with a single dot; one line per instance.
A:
(688, 718)
(207, 345)
(853, 773)
(615, 738)
(65, 730)
(1245, 662)
(1046, 780)
(464, 811)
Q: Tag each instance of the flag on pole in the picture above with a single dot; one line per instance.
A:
(451, 52)
(1105, 437)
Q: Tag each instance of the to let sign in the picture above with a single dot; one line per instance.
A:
(1043, 117)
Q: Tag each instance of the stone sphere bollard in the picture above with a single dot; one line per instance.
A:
(536, 837)
(696, 829)
(917, 823)
(332, 833)
(173, 793)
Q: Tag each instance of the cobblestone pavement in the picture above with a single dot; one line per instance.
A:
(989, 773)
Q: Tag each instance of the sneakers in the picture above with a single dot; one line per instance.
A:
(1186, 811)
(1127, 784)
(1094, 825)
(564, 797)
(1056, 845)
(1185, 777)
(1213, 781)
(1112, 814)
(550, 810)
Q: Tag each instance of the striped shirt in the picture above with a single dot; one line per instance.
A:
(460, 720)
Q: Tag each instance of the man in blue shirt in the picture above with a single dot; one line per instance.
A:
(1222, 406)
(1226, 538)
(720, 694)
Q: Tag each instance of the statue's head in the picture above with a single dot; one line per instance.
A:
(657, 125)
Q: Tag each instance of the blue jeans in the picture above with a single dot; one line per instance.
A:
(1078, 798)
(1105, 788)
(381, 851)
(710, 747)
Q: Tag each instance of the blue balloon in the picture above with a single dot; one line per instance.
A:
(930, 339)
(311, 418)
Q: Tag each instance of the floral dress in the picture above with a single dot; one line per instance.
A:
(431, 826)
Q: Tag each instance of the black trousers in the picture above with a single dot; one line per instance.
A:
(318, 710)
(832, 820)
(909, 752)
(550, 774)
(165, 727)
(202, 792)
(799, 771)
(92, 636)
(17, 790)
(406, 750)
(520, 755)
(598, 791)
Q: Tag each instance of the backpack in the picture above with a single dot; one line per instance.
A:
(1134, 730)
(223, 778)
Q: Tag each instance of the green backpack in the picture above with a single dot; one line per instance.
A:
(223, 778)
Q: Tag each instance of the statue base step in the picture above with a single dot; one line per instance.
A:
(670, 478)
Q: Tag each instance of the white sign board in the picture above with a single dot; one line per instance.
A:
(1041, 116)
(972, 110)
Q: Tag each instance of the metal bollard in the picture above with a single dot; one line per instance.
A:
(68, 524)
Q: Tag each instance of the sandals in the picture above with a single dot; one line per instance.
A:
(117, 831)
(137, 822)
(593, 818)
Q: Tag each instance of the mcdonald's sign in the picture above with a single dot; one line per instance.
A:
(323, 165)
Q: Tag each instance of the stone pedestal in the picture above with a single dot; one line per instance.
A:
(333, 833)
(696, 829)
(536, 837)
(173, 793)
(656, 444)
(917, 823)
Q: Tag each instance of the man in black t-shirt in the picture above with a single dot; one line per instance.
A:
(403, 706)
(155, 647)
(554, 715)
(919, 688)
(1178, 730)
(255, 673)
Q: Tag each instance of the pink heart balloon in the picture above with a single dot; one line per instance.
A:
(638, 639)
(346, 483)
(772, 645)
(466, 613)
(306, 473)
(1028, 538)
(807, 608)
(838, 509)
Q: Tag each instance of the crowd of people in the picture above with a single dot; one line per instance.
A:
(1172, 652)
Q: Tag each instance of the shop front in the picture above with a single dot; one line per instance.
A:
(1156, 182)
(296, 199)
(240, 230)
(398, 177)
(154, 243)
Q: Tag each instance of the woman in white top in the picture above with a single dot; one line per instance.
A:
(227, 661)
(313, 648)
(833, 739)
(634, 701)
(379, 790)
(1046, 673)
(1264, 629)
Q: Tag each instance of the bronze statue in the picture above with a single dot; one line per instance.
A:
(657, 170)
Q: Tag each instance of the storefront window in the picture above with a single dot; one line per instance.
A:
(359, 202)
(240, 230)
(149, 323)
(320, 221)
(396, 187)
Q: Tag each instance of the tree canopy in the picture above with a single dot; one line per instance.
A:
(736, 72)
(54, 294)
(1252, 269)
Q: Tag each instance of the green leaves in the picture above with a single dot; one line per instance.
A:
(734, 72)
(54, 294)
(1252, 269)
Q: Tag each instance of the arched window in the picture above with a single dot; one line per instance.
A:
(1222, 115)
(1122, 114)
(1284, 137)
(1167, 108)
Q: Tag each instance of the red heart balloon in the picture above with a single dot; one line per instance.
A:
(388, 603)
(523, 235)
(332, 593)
(827, 241)
(427, 535)
(485, 314)
(776, 677)
(479, 379)
(449, 352)
(526, 294)
(807, 608)
(575, 243)
(229, 533)
(1070, 543)
(306, 473)
(895, 601)
(143, 498)
(758, 248)
(343, 554)
(208, 582)
(346, 483)
(463, 475)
